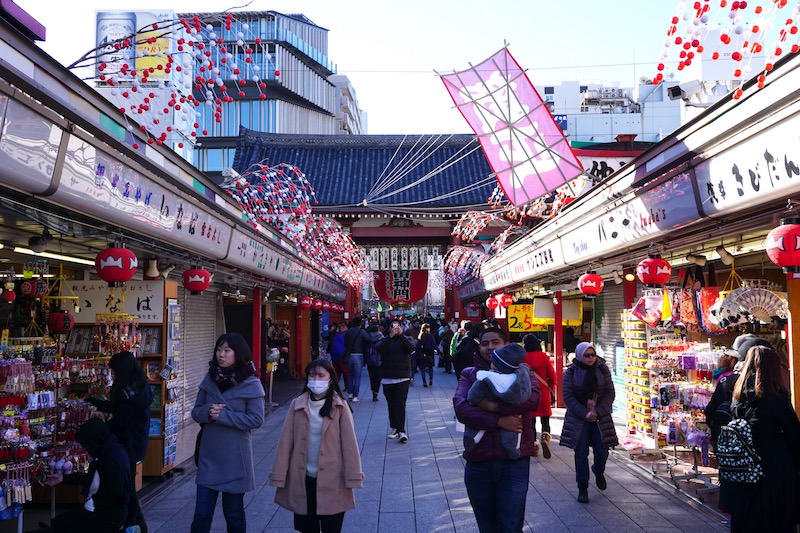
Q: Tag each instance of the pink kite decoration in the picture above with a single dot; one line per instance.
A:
(525, 148)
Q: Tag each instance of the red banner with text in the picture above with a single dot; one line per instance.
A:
(401, 286)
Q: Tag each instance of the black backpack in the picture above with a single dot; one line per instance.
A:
(738, 459)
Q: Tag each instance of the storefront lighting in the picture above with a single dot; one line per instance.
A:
(724, 255)
(48, 255)
(699, 260)
(630, 276)
(617, 277)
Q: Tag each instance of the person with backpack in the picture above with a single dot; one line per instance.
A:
(718, 410)
(772, 503)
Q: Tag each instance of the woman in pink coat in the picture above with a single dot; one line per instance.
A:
(542, 366)
(317, 464)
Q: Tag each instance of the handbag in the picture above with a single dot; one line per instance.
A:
(197, 444)
(544, 382)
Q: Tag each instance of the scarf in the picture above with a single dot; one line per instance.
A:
(227, 378)
(589, 389)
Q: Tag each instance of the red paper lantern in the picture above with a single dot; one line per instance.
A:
(473, 306)
(60, 321)
(783, 245)
(506, 300)
(196, 280)
(326, 305)
(317, 304)
(116, 266)
(305, 302)
(591, 284)
(654, 271)
(492, 303)
(33, 288)
(9, 296)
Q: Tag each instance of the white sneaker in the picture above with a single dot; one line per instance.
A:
(351, 396)
(394, 434)
(403, 437)
(355, 399)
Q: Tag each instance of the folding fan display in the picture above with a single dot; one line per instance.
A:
(706, 298)
(728, 313)
(761, 304)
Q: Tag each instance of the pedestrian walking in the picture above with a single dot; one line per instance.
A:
(395, 350)
(426, 352)
(129, 400)
(339, 356)
(373, 360)
(317, 463)
(589, 395)
(355, 342)
(543, 371)
(497, 486)
(229, 405)
(761, 396)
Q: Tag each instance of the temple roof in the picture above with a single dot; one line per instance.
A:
(347, 169)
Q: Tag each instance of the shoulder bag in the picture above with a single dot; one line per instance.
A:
(197, 444)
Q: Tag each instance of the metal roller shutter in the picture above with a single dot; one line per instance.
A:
(608, 308)
(199, 332)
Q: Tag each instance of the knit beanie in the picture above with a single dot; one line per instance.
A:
(531, 343)
(581, 348)
(506, 359)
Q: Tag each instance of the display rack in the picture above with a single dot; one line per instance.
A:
(637, 379)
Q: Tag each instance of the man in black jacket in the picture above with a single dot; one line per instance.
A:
(395, 350)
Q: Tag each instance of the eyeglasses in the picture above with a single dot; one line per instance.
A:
(590, 354)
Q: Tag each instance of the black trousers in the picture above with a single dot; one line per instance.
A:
(545, 424)
(312, 522)
(374, 378)
(83, 521)
(135, 516)
(396, 394)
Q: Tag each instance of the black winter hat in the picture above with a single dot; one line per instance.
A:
(506, 359)
(745, 346)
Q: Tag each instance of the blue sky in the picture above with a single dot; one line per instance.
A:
(390, 50)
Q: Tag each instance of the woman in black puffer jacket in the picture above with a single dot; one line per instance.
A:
(589, 395)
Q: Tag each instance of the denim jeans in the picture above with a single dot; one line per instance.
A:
(354, 367)
(590, 435)
(497, 491)
(232, 508)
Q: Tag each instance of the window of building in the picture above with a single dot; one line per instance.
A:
(213, 160)
(549, 90)
(584, 88)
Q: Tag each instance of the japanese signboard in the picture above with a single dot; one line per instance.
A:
(144, 299)
(529, 317)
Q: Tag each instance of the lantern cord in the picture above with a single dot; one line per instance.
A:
(407, 163)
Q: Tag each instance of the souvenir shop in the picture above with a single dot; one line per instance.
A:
(688, 246)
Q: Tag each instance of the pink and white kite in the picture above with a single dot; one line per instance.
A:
(525, 148)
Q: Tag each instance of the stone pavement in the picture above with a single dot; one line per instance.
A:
(419, 486)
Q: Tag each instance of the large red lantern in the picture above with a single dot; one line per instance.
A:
(473, 306)
(116, 266)
(506, 300)
(304, 302)
(326, 305)
(783, 245)
(196, 280)
(654, 271)
(33, 288)
(492, 303)
(60, 321)
(316, 304)
(591, 284)
(9, 296)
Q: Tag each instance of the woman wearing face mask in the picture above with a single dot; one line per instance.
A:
(317, 455)
(229, 405)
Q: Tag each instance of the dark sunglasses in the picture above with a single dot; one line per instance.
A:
(590, 355)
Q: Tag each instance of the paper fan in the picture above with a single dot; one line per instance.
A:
(728, 313)
(762, 304)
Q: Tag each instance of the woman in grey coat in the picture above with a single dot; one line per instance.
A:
(229, 405)
(589, 395)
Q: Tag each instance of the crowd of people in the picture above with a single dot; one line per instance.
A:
(504, 388)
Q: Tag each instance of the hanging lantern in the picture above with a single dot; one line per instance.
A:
(591, 284)
(316, 304)
(33, 288)
(9, 296)
(492, 303)
(654, 271)
(326, 305)
(60, 321)
(783, 245)
(506, 300)
(116, 265)
(196, 280)
(473, 306)
(304, 302)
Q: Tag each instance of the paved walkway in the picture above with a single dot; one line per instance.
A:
(419, 486)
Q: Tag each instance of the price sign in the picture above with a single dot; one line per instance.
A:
(541, 313)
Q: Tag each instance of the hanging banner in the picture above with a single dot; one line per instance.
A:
(528, 317)
(401, 286)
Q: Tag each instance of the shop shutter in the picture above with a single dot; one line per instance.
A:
(199, 332)
(610, 304)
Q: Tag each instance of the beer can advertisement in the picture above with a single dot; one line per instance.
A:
(149, 45)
